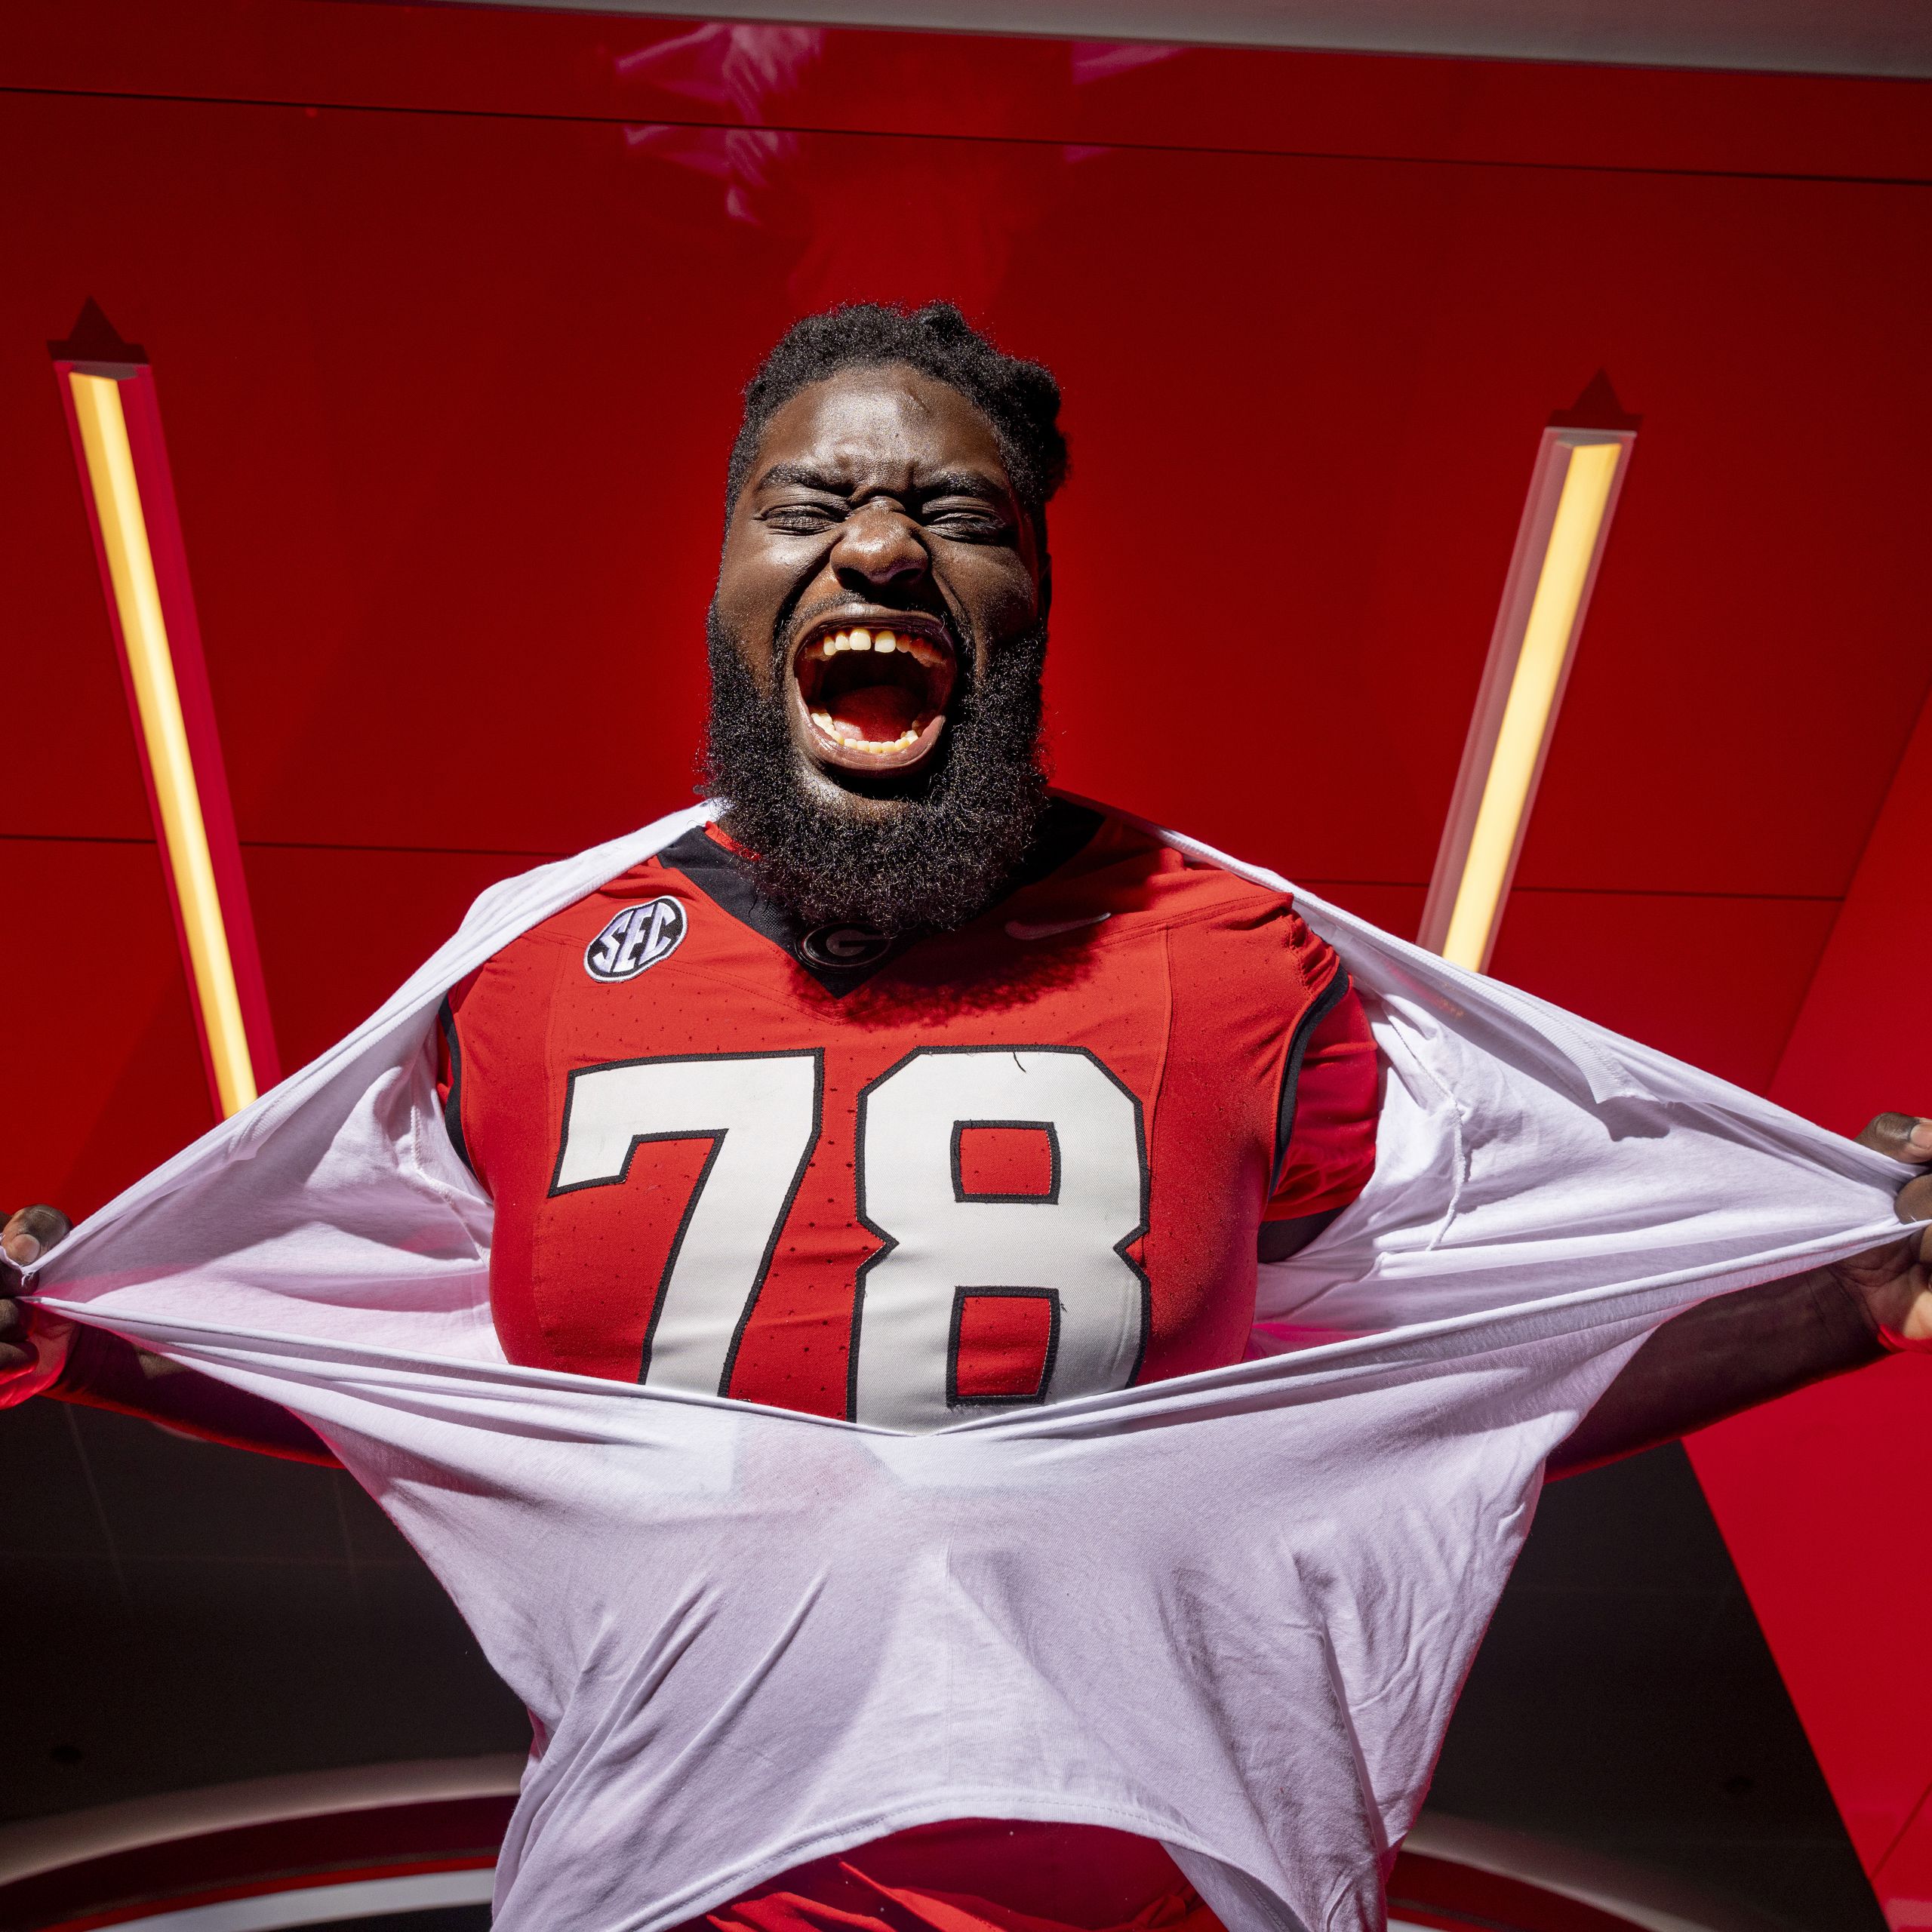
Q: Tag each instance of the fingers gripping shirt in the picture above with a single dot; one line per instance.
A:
(905, 1183)
(1226, 1611)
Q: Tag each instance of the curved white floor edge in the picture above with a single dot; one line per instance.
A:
(41, 1845)
(325, 1905)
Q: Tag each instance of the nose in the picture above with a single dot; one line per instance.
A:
(878, 545)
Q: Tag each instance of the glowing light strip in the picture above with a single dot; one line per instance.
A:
(1526, 715)
(110, 465)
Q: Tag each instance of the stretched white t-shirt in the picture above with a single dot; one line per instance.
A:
(1228, 1611)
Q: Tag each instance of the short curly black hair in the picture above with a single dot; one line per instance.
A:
(1019, 400)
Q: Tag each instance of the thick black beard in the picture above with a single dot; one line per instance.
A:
(956, 835)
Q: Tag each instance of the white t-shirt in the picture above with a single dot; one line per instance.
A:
(1228, 1611)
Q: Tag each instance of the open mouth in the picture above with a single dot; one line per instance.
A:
(873, 697)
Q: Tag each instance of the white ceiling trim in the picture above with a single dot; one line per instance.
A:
(1880, 37)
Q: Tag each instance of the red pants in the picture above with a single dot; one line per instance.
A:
(978, 1876)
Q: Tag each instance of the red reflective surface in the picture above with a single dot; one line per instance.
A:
(451, 308)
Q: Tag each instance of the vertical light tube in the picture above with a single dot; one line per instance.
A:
(1573, 495)
(1531, 703)
(111, 476)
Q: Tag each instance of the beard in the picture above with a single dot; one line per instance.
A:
(953, 838)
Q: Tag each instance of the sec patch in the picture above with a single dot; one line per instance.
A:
(639, 937)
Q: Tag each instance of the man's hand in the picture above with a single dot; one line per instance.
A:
(1894, 1284)
(28, 1340)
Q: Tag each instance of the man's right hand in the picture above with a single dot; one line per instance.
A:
(117, 1376)
(32, 1346)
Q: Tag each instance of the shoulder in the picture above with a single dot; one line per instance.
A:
(602, 921)
(1143, 874)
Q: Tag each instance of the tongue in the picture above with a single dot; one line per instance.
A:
(878, 713)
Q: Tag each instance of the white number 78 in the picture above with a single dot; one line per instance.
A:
(939, 1243)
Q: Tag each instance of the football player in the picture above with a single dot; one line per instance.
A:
(897, 949)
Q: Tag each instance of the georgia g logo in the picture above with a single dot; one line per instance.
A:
(844, 944)
(640, 935)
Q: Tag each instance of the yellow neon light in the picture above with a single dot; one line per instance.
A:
(137, 598)
(1505, 791)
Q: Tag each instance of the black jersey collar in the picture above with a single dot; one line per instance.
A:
(842, 956)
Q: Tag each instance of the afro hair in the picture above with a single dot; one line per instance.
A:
(1019, 400)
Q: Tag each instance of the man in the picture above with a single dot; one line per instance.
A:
(906, 1090)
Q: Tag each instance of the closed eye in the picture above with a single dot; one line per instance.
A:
(802, 519)
(965, 521)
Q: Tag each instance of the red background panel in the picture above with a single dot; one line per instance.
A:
(1829, 1484)
(1714, 979)
(102, 1052)
(342, 929)
(63, 682)
(448, 309)
(1848, 1050)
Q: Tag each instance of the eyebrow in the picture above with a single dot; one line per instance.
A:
(946, 483)
(801, 476)
(964, 483)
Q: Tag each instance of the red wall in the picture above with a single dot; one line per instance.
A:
(448, 310)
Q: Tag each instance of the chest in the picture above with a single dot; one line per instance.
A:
(996, 1173)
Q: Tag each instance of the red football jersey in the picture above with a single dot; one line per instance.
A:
(904, 1180)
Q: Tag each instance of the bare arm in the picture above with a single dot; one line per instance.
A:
(1732, 1353)
(1722, 1356)
(102, 1371)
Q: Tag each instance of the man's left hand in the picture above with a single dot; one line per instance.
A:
(1894, 1282)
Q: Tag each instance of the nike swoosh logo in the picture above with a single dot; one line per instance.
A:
(1023, 929)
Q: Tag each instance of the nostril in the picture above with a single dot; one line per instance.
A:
(879, 549)
(884, 568)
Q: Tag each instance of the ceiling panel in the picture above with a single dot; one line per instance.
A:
(628, 66)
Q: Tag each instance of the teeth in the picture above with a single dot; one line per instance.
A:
(878, 747)
(917, 648)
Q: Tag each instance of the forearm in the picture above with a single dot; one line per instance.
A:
(104, 1372)
(1724, 1355)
